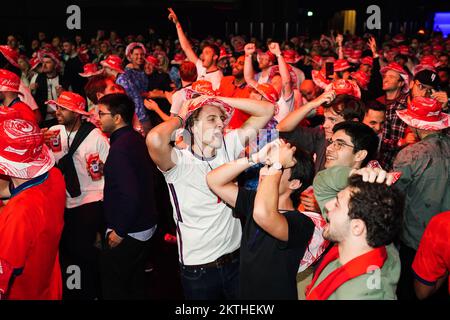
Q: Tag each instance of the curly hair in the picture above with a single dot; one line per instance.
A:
(379, 206)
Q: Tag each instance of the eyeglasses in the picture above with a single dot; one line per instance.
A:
(100, 113)
(428, 91)
(339, 144)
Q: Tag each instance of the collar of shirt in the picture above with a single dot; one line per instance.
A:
(30, 183)
(116, 134)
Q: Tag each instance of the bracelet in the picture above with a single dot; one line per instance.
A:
(250, 160)
(181, 121)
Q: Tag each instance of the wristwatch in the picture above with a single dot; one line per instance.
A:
(277, 165)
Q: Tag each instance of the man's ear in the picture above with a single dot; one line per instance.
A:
(117, 119)
(360, 155)
(357, 227)
(99, 95)
(295, 184)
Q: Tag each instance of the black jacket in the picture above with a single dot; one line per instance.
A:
(129, 184)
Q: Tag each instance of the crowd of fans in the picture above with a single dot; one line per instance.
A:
(313, 168)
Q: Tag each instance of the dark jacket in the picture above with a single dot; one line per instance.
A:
(41, 93)
(71, 78)
(129, 184)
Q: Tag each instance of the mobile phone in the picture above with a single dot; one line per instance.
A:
(329, 69)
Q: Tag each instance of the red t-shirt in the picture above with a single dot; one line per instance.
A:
(432, 259)
(30, 230)
(25, 111)
(229, 89)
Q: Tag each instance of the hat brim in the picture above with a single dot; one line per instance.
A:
(3, 89)
(51, 103)
(91, 74)
(210, 101)
(409, 119)
(42, 164)
(120, 70)
(319, 80)
(14, 63)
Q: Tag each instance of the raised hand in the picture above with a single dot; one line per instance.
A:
(172, 16)
(249, 49)
(372, 44)
(274, 47)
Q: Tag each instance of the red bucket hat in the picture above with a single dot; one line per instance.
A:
(178, 58)
(203, 87)
(317, 60)
(9, 81)
(399, 38)
(34, 62)
(199, 102)
(341, 65)
(223, 53)
(426, 114)
(342, 86)
(268, 53)
(11, 55)
(394, 66)
(268, 92)
(113, 62)
(291, 56)
(90, 69)
(23, 153)
(151, 59)
(319, 78)
(70, 101)
(361, 78)
(367, 60)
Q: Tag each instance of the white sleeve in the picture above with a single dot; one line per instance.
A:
(177, 102)
(180, 168)
(201, 70)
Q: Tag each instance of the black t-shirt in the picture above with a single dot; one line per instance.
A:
(268, 266)
(311, 140)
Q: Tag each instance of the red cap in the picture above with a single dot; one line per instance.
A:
(9, 81)
(151, 59)
(399, 38)
(367, 60)
(361, 78)
(11, 55)
(90, 70)
(70, 101)
(291, 56)
(341, 65)
(113, 62)
(178, 58)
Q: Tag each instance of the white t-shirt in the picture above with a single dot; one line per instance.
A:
(214, 77)
(95, 142)
(206, 228)
(285, 106)
(178, 98)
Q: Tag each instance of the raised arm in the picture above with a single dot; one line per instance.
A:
(295, 117)
(184, 42)
(339, 40)
(249, 74)
(153, 106)
(265, 211)
(260, 113)
(286, 88)
(158, 143)
(221, 180)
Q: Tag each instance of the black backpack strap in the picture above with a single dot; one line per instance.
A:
(66, 164)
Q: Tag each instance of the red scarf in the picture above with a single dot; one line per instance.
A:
(352, 269)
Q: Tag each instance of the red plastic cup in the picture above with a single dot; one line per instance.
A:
(93, 164)
(55, 141)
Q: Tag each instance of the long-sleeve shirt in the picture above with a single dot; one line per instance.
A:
(135, 82)
(425, 168)
(129, 184)
(393, 130)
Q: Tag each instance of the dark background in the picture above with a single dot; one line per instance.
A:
(26, 17)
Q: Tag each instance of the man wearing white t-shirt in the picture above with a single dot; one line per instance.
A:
(207, 233)
(207, 64)
(188, 74)
(83, 217)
